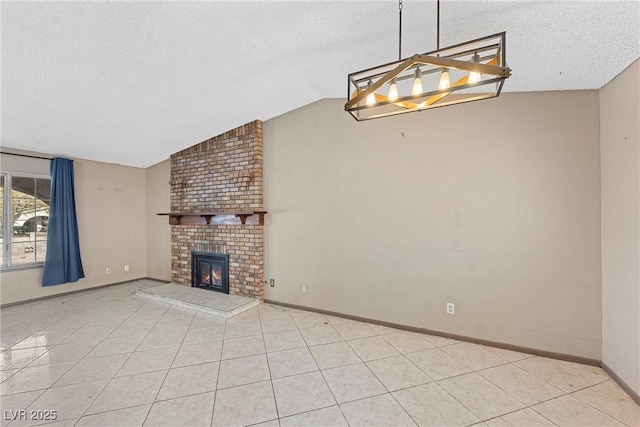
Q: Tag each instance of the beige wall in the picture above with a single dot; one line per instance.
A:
(493, 206)
(158, 228)
(620, 165)
(110, 204)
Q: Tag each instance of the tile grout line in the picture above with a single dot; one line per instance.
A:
(435, 381)
(385, 387)
(110, 410)
(320, 370)
(526, 405)
(266, 356)
(172, 362)
(43, 327)
(532, 407)
(75, 363)
(361, 362)
(59, 343)
(112, 378)
(546, 418)
(215, 396)
(588, 404)
(475, 372)
(412, 363)
(351, 364)
(78, 361)
(543, 380)
(380, 381)
(562, 392)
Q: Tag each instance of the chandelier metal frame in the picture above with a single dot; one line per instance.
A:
(477, 65)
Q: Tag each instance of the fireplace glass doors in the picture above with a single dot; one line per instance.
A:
(210, 271)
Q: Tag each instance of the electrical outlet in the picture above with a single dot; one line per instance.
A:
(451, 308)
(126, 267)
(108, 270)
(272, 283)
(303, 289)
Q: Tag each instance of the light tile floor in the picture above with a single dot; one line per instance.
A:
(108, 357)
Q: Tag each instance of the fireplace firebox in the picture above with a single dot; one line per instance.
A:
(210, 271)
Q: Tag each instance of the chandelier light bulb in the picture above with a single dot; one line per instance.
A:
(417, 83)
(445, 83)
(473, 76)
(371, 98)
(393, 90)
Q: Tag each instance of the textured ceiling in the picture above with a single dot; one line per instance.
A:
(134, 82)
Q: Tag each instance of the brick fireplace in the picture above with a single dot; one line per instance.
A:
(220, 178)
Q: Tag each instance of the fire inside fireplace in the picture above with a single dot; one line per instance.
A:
(210, 271)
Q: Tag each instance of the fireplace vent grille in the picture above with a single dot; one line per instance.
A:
(210, 248)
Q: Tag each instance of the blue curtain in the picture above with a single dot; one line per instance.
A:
(62, 263)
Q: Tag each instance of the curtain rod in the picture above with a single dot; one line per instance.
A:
(26, 155)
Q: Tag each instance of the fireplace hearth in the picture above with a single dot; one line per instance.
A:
(210, 271)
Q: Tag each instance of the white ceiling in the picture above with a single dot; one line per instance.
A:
(134, 82)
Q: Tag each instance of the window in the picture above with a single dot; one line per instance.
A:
(24, 217)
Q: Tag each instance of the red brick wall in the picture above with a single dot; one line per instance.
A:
(222, 174)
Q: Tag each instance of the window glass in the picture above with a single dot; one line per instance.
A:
(29, 213)
(43, 193)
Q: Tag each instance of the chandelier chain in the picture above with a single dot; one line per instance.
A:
(438, 27)
(400, 30)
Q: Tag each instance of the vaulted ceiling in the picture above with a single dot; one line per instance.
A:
(134, 82)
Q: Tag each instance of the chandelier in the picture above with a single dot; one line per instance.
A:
(464, 72)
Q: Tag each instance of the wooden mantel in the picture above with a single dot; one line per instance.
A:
(214, 218)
